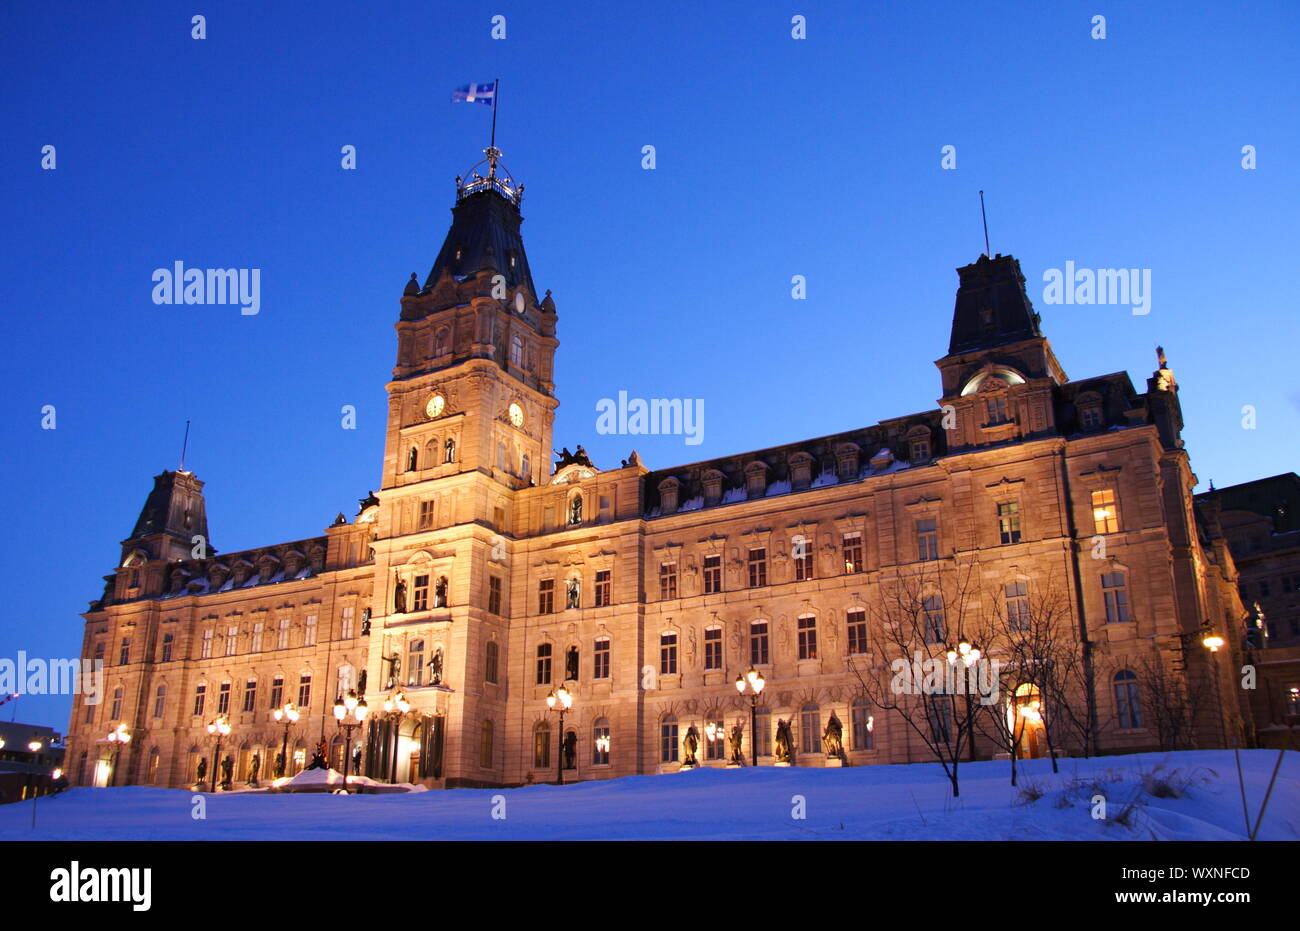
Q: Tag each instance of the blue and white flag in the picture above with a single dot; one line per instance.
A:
(476, 93)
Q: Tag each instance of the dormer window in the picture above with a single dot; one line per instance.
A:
(996, 411)
(1090, 418)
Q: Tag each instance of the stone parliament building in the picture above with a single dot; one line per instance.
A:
(481, 577)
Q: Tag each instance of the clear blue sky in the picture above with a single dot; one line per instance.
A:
(776, 157)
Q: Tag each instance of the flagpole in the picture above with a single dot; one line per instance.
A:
(496, 95)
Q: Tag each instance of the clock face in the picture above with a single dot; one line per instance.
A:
(437, 404)
(516, 415)
(519, 301)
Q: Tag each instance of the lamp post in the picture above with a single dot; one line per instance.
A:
(288, 717)
(395, 708)
(754, 681)
(561, 700)
(1212, 642)
(119, 737)
(35, 747)
(218, 728)
(356, 710)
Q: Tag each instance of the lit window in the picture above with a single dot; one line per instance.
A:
(542, 746)
(852, 545)
(1105, 512)
(600, 742)
(807, 637)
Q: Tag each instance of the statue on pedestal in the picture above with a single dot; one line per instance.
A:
(254, 769)
(690, 743)
(833, 738)
(202, 772)
(279, 765)
(570, 750)
(435, 668)
(784, 741)
(399, 598)
(737, 753)
(227, 771)
(318, 757)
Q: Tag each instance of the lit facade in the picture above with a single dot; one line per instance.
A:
(479, 578)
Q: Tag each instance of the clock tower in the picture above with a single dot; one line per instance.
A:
(470, 411)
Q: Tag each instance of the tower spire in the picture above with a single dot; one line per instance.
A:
(984, 217)
(184, 446)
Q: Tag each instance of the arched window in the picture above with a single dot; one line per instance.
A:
(1128, 706)
(668, 742)
(449, 450)
(863, 725)
(810, 728)
(485, 745)
(415, 663)
(600, 742)
(542, 746)
(151, 776)
(412, 459)
(159, 701)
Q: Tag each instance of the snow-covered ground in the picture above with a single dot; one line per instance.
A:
(862, 803)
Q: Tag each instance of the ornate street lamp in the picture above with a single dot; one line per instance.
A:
(395, 708)
(967, 652)
(561, 700)
(119, 737)
(1213, 642)
(288, 717)
(219, 728)
(754, 681)
(345, 708)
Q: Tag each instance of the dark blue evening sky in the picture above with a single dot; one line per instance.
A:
(775, 158)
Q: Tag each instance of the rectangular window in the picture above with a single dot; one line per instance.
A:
(1105, 511)
(494, 595)
(713, 648)
(99, 652)
(667, 580)
(763, 731)
(1090, 418)
(600, 745)
(232, 640)
(415, 663)
(1009, 522)
(546, 596)
(857, 632)
(712, 575)
(167, 641)
(124, 655)
(1114, 590)
(1017, 595)
(205, 649)
(282, 635)
(485, 745)
(808, 637)
(200, 699)
(255, 642)
(426, 515)
(996, 409)
(939, 713)
(810, 730)
(603, 587)
(852, 543)
(304, 692)
(223, 698)
(543, 664)
(420, 593)
(715, 748)
(346, 627)
(309, 632)
(667, 654)
(864, 737)
(758, 655)
(277, 692)
(757, 567)
(160, 701)
(927, 540)
(934, 628)
(600, 659)
(90, 712)
(491, 657)
(801, 551)
(668, 742)
(250, 694)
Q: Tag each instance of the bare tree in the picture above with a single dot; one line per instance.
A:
(1171, 696)
(926, 622)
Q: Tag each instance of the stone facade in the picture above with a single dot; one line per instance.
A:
(649, 592)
